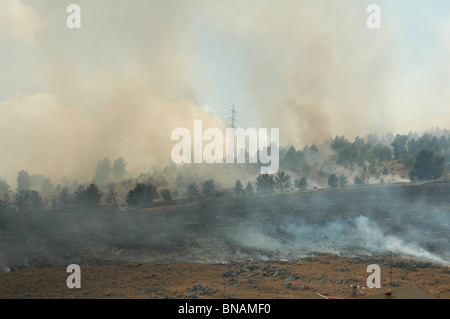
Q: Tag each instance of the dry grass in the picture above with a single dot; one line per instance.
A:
(300, 279)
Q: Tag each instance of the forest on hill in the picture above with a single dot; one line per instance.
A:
(338, 162)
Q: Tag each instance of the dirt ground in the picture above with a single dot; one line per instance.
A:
(302, 279)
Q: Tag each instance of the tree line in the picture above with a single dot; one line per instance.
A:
(424, 156)
(142, 194)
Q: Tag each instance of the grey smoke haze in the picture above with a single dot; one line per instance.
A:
(350, 237)
(137, 70)
(407, 221)
(116, 87)
(411, 221)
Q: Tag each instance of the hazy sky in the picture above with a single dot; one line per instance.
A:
(136, 70)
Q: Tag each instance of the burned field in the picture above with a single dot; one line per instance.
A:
(353, 225)
(411, 220)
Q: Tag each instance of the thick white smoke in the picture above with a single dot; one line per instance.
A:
(294, 237)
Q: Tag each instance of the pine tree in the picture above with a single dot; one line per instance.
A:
(238, 188)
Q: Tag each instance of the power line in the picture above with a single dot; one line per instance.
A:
(233, 117)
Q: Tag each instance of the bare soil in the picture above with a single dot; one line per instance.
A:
(302, 279)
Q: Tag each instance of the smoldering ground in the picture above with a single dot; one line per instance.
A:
(407, 220)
